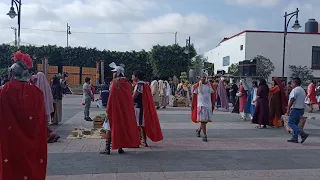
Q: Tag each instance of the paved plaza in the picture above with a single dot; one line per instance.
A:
(235, 151)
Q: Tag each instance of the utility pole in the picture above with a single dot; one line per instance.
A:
(68, 33)
(15, 36)
(175, 37)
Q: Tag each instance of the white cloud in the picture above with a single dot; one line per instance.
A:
(265, 3)
(205, 33)
(114, 16)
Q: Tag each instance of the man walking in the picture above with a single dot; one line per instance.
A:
(296, 110)
(203, 101)
(146, 114)
(121, 114)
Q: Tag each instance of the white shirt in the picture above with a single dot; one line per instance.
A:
(204, 97)
(299, 95)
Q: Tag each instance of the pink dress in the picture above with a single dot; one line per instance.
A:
(242, 99)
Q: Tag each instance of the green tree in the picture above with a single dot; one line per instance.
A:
(303, 72)
(264, 66)
(163, 61)
(198, 64)
(171, 60)
(4, 72)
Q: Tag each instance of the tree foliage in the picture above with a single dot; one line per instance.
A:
(198, 64)
(4, 72)
(264, 66)
(303, 72)
(171, 60)
(163, 61)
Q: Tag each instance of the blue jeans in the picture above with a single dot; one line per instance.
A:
(294, 120)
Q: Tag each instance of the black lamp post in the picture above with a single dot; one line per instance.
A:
(187, 50)
(68, 33)
(12, 14)
(295, 26)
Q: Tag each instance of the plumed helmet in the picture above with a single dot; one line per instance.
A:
(20, 69)
(118, 69)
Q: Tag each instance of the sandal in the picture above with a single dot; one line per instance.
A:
(204, 139)
(120, 151)
(198, 132)
(145, 144)
(107, 150)
(260, 127)
(56, 138)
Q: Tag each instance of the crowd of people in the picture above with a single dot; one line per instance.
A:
(28, 104)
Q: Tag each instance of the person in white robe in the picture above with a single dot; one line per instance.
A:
(155, 92)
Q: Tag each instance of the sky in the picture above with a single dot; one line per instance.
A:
(126, 25)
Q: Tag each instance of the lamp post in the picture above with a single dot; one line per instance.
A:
(12, 14)
(68, 33)
(295, 26)
(187, 50)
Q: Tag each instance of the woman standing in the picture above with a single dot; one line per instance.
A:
(222, 93)
(168, 91)
(318, 93)
(57, 100)
(252, 99)
(261, 113)
(40, 80)
(278, 103)
(243, 97)
(43, 84)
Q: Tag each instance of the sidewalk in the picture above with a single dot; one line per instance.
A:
(235, 151)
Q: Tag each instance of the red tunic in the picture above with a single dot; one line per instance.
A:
(195, 101)
(23, 132)
(242, 99)
(312, 93)
(121, 114)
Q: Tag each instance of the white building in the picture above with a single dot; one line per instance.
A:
(301, 49)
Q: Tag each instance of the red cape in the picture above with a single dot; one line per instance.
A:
(312, 94)
(121, 114)
(151, 120)
(195, 101)
(23, 132)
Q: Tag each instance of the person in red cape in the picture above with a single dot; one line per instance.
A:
(23, 127)
(203, 101)
(121, 116)
(311, 95)
(146, 114)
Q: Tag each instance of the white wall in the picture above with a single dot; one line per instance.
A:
(270, 45)
(228, 48)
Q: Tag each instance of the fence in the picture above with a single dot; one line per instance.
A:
(76, 75)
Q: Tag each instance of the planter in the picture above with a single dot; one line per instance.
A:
(98, 121)
(288, 129)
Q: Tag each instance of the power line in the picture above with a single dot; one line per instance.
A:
(79, 32)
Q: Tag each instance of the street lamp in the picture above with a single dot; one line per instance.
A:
(12, 14)
(187, 49)
(68, 33)
(295, 26)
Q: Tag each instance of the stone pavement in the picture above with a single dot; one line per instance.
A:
(235, 151)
